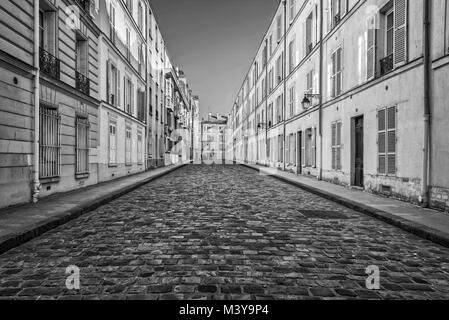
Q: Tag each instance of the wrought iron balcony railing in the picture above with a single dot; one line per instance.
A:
(84, 4)
(49, 64)
(337, 19)
(386, 65)
(82, 83)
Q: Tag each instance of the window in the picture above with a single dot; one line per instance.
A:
(336, 145)
(112, 142)
(387, 140)
(291, 55)
(336, 77)
(279, 70)
(371, 49)
(129, 5)
(309, 32)
(82, 145)
(292, 10)
(141, 105)
(270, 80)
(139, 147)
(50, 144)
(128, 146)
(270, 115)
(129, 96)
(309, 82)
(112, 83)
(128, 44)
(140, 16)
(270, 43)
(292, 100)
(47, 30)
(279, 28)
(338, 10)
(279, 107)
(81, 66)
(112, 34)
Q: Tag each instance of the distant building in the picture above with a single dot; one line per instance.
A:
(213, 139)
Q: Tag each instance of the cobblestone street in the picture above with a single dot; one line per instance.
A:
(224, 232)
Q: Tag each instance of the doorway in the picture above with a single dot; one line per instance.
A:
(358, 152)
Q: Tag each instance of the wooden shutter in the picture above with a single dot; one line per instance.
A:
(381, 138)
(400, 32)
(391, 140)
(371, 50)
(338, 160)
(303, 149)
(132, 99)
(334, 143)
(287, 150)
(118, 88)
(314, 147)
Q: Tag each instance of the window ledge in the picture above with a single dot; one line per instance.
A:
(112, 165)
(49, 180)
(82, 176)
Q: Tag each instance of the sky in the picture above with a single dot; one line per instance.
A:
(214, 43)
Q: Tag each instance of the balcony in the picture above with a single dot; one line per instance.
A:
(82, 83)
(337, 19)
(386, 65)
(49, 64)
(84, 4)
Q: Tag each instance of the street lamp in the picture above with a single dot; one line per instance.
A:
(307, 101)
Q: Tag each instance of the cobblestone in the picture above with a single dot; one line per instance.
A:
(224, 232)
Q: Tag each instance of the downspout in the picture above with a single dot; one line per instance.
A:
(320, 125)
(266, 104)
(284, 2)
(36, 182)
(424, 199)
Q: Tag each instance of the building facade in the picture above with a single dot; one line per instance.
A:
(83, 95)
(213, 139)
(351, 92)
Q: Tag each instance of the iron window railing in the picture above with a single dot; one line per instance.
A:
(50, 144)
(49, 64)
(82, 83)
(386, 65)
(82, 145)
(84, 4)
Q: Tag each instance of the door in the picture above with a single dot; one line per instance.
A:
(358, 152)
(299, 153)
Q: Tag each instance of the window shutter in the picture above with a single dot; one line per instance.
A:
(381, 139)
(314, 147)
(108, 81)
(338, 165)
(132, 99)
(400, 32)
(371, 50)
(334, 143)
(303, 148)
(118, 88)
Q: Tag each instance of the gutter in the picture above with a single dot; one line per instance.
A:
(36, 182)
(424, 197)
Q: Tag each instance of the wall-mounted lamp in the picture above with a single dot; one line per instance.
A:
(307, 101)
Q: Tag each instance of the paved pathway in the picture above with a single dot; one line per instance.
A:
(214, 232)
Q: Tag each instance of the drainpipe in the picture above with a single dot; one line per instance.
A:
(266, 104)
(424, 198)
(284, 2)
(36, 182)
(320, 129)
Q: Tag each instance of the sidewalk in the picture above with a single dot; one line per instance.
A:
(425, 223)
(23, 223)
